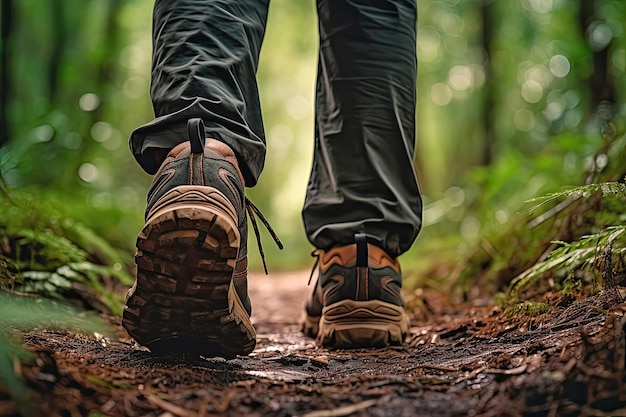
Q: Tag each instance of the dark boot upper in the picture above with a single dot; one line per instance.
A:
(215, 165)
(360, 272)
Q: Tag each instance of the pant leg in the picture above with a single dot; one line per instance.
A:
(205, 58)
(363, 178)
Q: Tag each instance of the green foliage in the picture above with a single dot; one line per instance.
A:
(38, 257)
(608, 189)
(581, 255)
(527, 97)
(48, 253)
(579, 260)
(37, 249)
(527, 308)
(79, 80)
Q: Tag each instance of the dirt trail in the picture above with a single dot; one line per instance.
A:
(467, 360)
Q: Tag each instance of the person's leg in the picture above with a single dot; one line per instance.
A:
(205, 58)
(363, 205)
(363, 179)
(206, 143)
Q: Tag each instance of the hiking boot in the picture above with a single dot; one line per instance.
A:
(190, 294)
(357, 300)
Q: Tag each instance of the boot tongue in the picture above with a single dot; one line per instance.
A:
(361, 249)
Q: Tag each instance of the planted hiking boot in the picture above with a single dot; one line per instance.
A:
(357, 301)
(190, 294)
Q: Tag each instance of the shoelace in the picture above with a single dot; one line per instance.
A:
(316, 254)
(197, 140)
(252, 211)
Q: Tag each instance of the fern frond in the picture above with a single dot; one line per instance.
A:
(608, 189)
(42, 250)
(580, 254)
(90, 241)
(45, 250)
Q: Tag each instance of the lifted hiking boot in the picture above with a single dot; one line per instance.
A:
(357, 301)
(190, 294)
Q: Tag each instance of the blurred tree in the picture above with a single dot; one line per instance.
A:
(6, 15)
(64, 105)
(489, 92)
(512, 87)
(600, 37)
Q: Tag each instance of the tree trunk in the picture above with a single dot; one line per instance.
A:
(488, 88)
(601, 83)
(6, 7)
(59, 26)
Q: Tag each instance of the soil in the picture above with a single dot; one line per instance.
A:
(465, 359)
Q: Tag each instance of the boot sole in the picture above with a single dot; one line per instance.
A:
(309, 325)
(184, 299)
(351, 324)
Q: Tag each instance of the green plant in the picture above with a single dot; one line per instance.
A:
(582, 255)
(45, 251)
(528, 308)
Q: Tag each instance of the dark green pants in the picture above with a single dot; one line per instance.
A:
(205, 59)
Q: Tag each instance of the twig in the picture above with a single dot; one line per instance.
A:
(342, 411)
(553, 211)
(437, 367)
(471, 375)
(515, 371)
(167, 406)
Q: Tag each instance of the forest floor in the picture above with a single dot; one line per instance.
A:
(466, 359)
